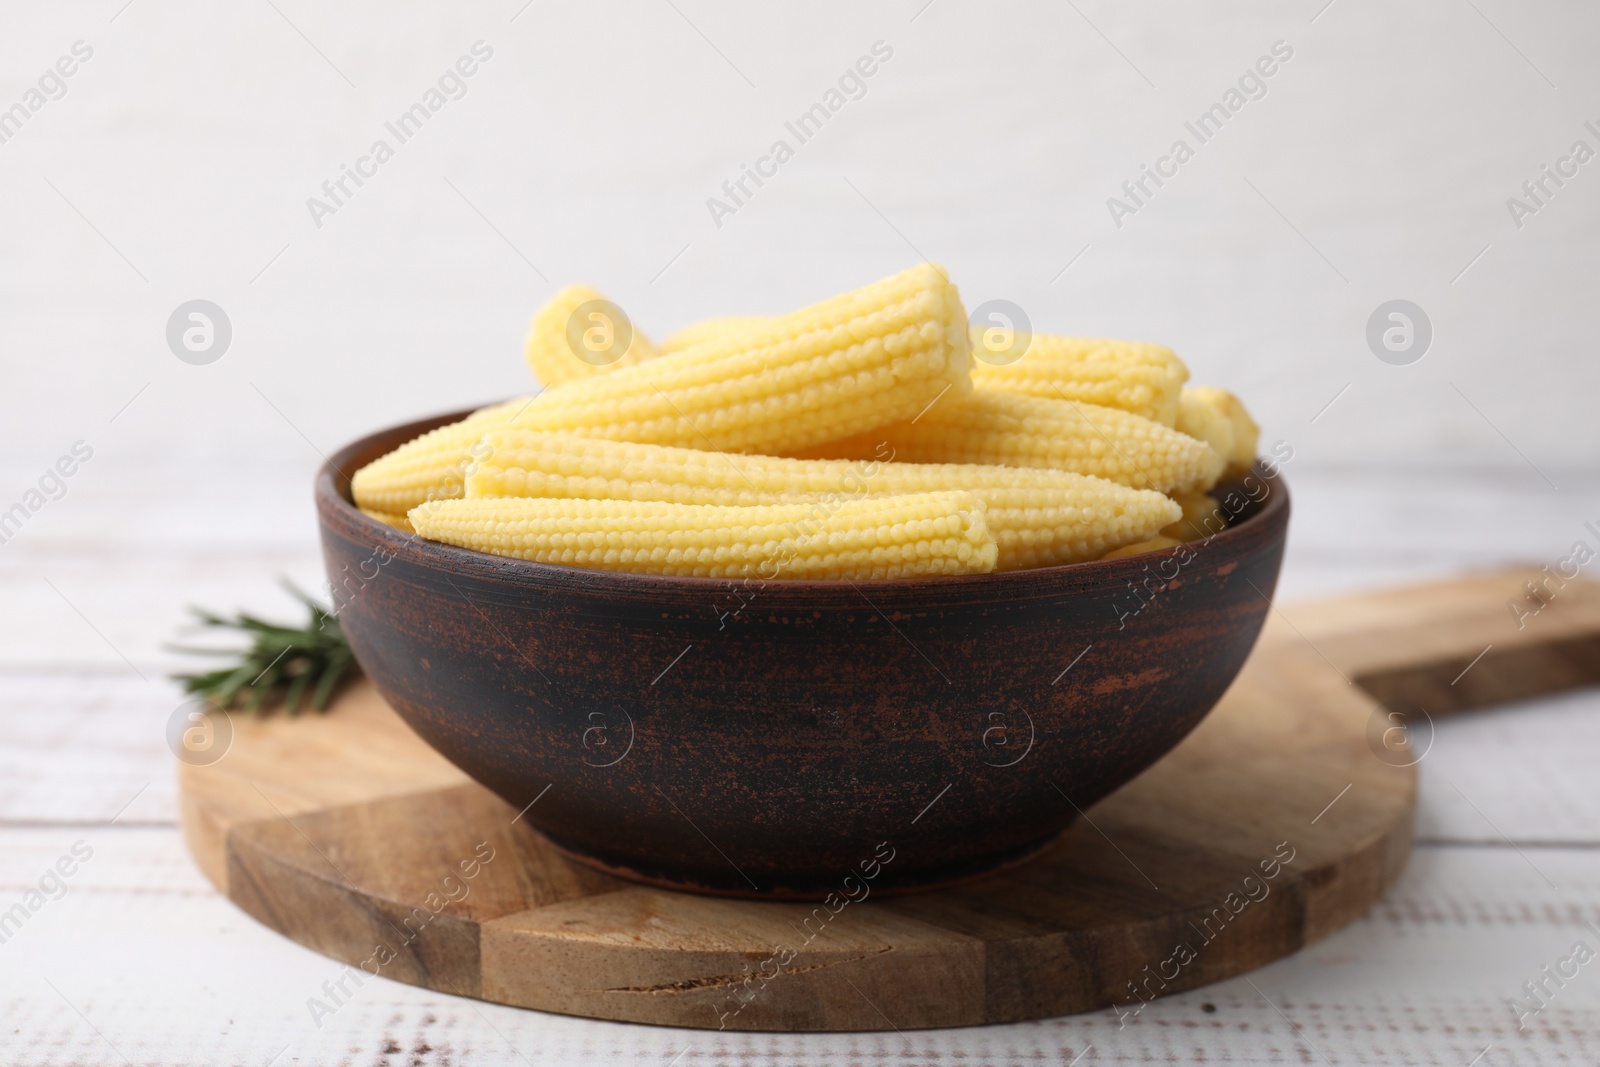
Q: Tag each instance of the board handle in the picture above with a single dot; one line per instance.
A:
(1464, 643)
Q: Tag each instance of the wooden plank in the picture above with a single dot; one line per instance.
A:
(114, 607)
(80, 749)
(1522, 773)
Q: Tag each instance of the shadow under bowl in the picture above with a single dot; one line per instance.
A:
(799, 738)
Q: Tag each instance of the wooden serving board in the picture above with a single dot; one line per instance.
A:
(1282, 818)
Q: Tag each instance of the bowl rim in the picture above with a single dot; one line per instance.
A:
(334, 502)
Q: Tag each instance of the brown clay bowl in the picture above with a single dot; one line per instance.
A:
(797, 738)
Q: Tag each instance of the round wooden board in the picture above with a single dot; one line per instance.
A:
(1278, 821)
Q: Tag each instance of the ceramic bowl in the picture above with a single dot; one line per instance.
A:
(789, 738)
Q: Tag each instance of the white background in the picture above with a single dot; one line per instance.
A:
(178, 166)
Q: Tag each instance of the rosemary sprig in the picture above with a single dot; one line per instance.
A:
(280, 664)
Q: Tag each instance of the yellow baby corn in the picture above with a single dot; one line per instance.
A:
(1039, 518)
(878, 354)
(1155, 544)
(881, 537)
(1145, 379)
(1132, 376)
(560, 349)
(399, 522)
(708, 329)
(875, 355)
(430, 467)
(1018, 430)
(1204, 421)
(1246, 434)
(1202, 517)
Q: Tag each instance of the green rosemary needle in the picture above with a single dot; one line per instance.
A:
(282, 663)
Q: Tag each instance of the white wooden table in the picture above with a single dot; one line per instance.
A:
(177, 165)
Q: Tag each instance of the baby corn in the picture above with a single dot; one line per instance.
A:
(1204, 421)
(430, 467)
(1246, 434)
(1145, 379)
(1131, 376)
(1202, 517)
(560, 348)
(1018, 430)
(1039, 518)
(878, 354)
(881, 537)
(874, 435)
(399, 522)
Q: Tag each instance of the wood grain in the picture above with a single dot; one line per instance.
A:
(336, 831)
